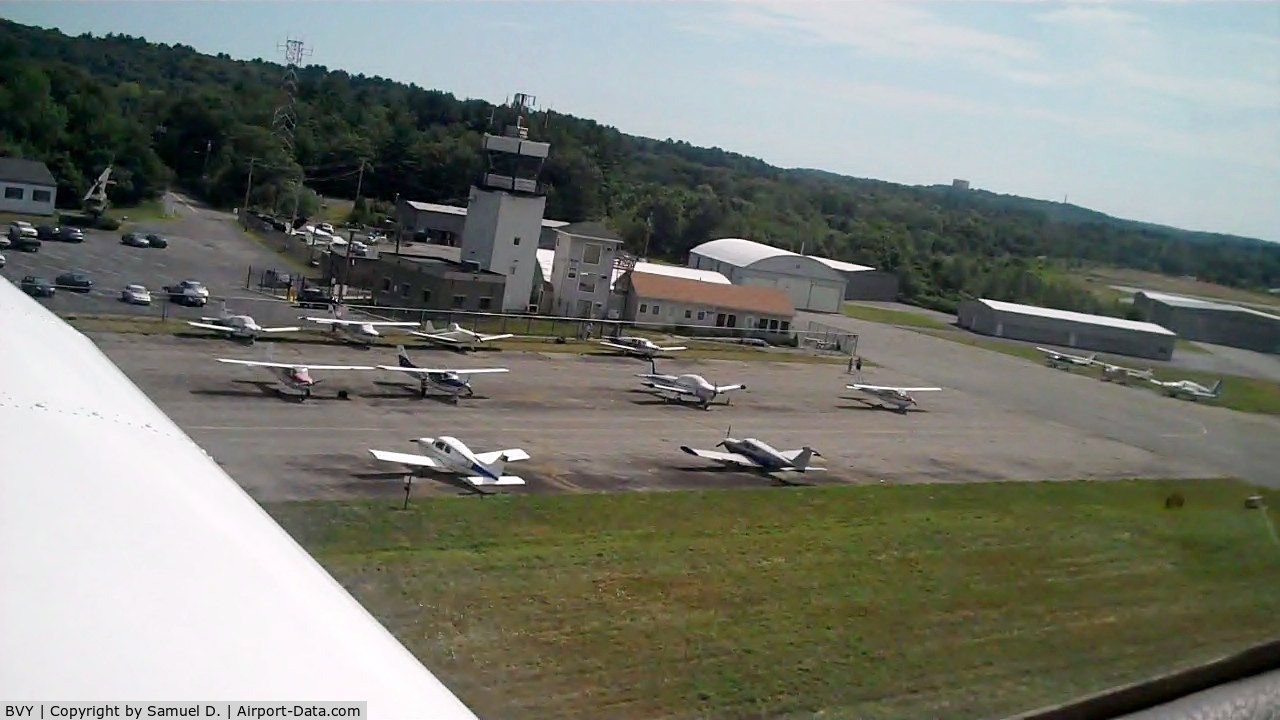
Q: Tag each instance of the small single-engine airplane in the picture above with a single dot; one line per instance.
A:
(1189, 390)
(1122, 374)
(456, 335)
(682, 386)
(1063, 361)
(443, 380)
(758, 456)
(451, 457)
(359, 332)
(293, 376)
(890, 398)
(638, 346)
(241, 327)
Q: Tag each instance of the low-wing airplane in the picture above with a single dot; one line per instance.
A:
(293, 376)
(898, 397)
(444, 380)
(360, 332)
(638, 346)
(1122, 374)
(450, 456)
(1063, 361)
(456, 335)
(682, 386)
(1188, 389)
(237, 326)
(759, 456)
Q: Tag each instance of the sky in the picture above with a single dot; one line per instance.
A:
(1166, 111)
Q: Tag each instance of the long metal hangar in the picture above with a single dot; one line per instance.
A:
(810, 284)
(1067, 329)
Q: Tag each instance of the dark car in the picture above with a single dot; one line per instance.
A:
(70, 234)
(46, 232)
(36, 286)
(134, 240)
(74, 281)
(315, 297)
(157, 241)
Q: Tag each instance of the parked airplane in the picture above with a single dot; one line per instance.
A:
(360, 332)
(456, 335)
(450, 456)
(757, 455)
(681, 386)
(1122, 374)
(292, 376)
(1062, 361)
(638, 346)
(1189, 390)
(898, 397)
(237, 326)
(450, 382)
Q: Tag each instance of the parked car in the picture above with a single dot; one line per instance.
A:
(135, 295)
(326, 228)
(315, 297)
(188, 292)
(46, 232)
(2, 261)
(36, 286)
(24, 236)
(134, 240)
(157, 241)
(70, 234)
(74, 281)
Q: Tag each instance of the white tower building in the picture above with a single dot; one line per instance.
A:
(504, 210)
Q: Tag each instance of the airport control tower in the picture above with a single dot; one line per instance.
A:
(504, 210)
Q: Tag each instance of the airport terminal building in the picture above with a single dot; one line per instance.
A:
(1067, 329)
(1211, 322)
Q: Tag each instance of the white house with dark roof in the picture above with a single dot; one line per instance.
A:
(809, 283)
(582, 269)
(27, 187)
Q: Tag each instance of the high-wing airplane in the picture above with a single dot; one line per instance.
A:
(898, 397)
(1063, 361)
(682, 386)
(638, 346)
(293, 376)
(222, 602)
(360, 332)
(456, 335)
(759, 456)
(237, 326)
(444, 380)
(450, 456)
(1122, 374)
(1188, 389)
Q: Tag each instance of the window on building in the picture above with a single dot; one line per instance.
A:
(587, 286)
(386, 284)
(572, 273)
(654, 309)
(426, 297)
(486, 303)
(644, 307)
(785, 325)
(404, 290)
(731, 321)
(13, 193)
(762, 324)
(689, 314)
(702, 314)
(773, 324)
(719, 319)
(41, 195)
(591, 254)
(515, 241)
(459, 301)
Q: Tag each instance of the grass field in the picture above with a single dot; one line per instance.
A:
(1099, 278)
(851, 602)
(890, 316)
(1188, 346)
(1246, 394)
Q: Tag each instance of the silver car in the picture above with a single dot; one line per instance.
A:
(135, 295)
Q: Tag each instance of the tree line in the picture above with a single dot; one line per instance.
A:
(167, 114)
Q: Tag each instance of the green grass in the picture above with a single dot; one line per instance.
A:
(850, 602)
(1188, 346)
(1245, 394)
(150, 211)
(127, 324)
(890, 316)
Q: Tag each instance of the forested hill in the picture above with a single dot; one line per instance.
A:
(168, 114)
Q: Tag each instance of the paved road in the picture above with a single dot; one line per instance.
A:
(1256, 698)
(1230, 442)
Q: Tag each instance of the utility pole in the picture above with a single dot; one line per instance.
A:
(297, 196)
(208, 148)
(360, 180)
(248, 186)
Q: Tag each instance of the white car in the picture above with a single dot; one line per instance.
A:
(135, 295)
(326, 228)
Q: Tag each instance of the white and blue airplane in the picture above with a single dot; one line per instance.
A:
(1064, 361)
(675, 387)
(358, 332)
(888, 397)
(456, 336)
(447, 381)
(241, 327)
(638, 346)
(451, 457)
(758, 456)
(1188, 390)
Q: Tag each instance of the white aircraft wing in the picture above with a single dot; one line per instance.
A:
(264, 363)
(480, 480)
(120, 583)
(487, 338)
(617, 346)
(211, 326)
(279, 329)
(428, 371)
(673, 348)
(721, 456)
(886, 388)
(727, 388)
(670, 387)
(343, 321)
(441, 337)
(513, 455)
(405, 458)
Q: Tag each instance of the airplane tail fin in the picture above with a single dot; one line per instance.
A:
(1216, 390)
(403, 356)
(802, 460)
(496, 467)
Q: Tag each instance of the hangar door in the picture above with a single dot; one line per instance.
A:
(805, 294)
(825, 299)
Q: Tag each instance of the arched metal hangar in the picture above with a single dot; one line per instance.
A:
(810, 284)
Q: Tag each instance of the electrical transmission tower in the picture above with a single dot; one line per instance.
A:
(285, 119)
